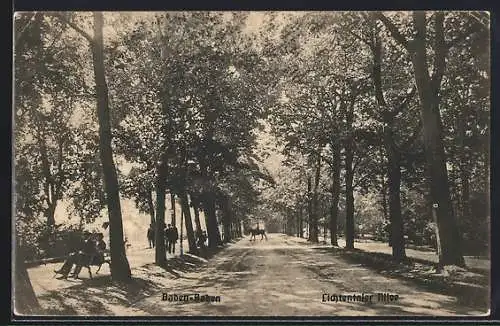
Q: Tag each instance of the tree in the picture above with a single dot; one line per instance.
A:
(429, 87)
(120, 269)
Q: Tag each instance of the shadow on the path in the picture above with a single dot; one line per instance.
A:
(94, 296)
(471, 292)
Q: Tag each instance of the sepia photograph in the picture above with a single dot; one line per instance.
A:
(251, 164)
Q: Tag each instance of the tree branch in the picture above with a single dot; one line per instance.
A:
(400, 38)
(21, 34)
(440, 52)
(76, 28)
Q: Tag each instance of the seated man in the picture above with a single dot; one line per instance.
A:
(75, 257)
(89, 254)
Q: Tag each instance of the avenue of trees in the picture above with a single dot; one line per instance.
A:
(382, 120)
(385, 115)
(179, 96)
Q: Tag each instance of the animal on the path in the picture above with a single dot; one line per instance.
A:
(257, 231)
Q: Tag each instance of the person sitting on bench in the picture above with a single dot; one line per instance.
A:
(76, 258)
(94, 254)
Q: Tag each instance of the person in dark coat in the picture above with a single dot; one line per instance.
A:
(151, 236)
(87, 248)
(174, 237)
(168, 238)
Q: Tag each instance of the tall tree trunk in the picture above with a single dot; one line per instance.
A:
(196, 209)
(334, 209)
(349, 176)
(349, 219)
(463, 166)
(428, 91)
(313, 236)
(394, 182)
(172, 205)
(120, 269)
(301, 222)
(226, 218)
(212, 225)
(310, 207)
(383, 191)
(188, 222)
(151, 207)
(161, 189)
(392, 153)
(24, 298)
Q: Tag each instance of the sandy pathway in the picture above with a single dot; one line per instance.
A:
(279, 277)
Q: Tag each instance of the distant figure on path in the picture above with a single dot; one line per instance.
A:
(201, 236)
(151, 236)
(173, 236)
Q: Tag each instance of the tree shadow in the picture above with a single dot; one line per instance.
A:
(414, 272)
(95, 296)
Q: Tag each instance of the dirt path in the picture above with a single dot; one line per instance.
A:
(279, 277)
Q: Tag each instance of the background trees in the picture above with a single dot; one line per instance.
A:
(318, 123)
(367, 99)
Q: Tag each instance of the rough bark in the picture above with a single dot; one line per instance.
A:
(310, 208)
(428, 90)
(301, 223)
(188, 222)
(313, 236)
(334, 209)
(394, 184)
(212, 226)
(160, 250)
(172, 205)
(463, 166)
(120, 269)
(151, 207)
(196, 209)
(226, 217)
(392, 154)
(349, 176)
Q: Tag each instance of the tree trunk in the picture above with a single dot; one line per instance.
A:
(463, 165)
(313, 236)
(188, 222)
(212, 225)
(172, 205)
(151, 207)
(349, 176)
(24, 298)
(226, 218)
(428, 91)
(301, 222)
(196, 210)
(393, 156)
(161, 189)
(120, 269)
(334, 209)
(310, 207)
(394, 185)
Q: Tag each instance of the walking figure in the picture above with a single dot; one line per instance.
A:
(173, 236)
(151, 236)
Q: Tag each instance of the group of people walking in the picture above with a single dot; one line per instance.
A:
(90, 251)
(171, 235)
